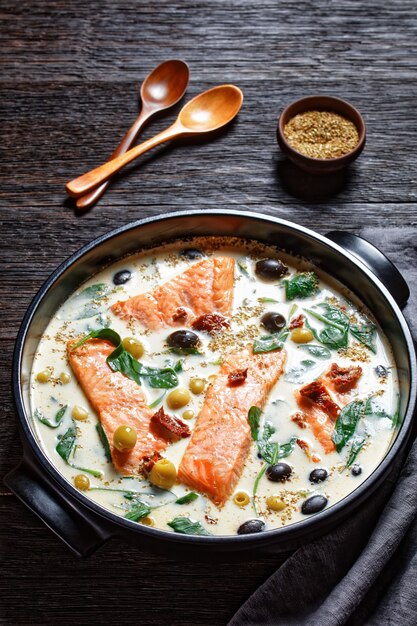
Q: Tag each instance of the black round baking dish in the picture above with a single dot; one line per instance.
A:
(84, 525)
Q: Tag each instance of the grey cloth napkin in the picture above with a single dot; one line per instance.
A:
(363, 572)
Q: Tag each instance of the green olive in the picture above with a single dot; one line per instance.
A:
(82, 482)
(197, 385)
(147, 521)
(65, 378)
(134, 346)
(188, 415)
(124, 438)
(241, 498)
(302, 335)
(44, 376)
(163, 474)
(79, 413)
(275, 503)
(178, 398)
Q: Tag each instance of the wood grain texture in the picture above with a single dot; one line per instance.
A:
(69, 90)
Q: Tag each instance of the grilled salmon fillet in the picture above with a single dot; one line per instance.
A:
(220, 443)
(205, 287)
(117, 401)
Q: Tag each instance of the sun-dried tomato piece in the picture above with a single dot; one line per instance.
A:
(237, 378)
(317, 393)
(169, 426)
(148, 462)
(299, 419)
(296, 322)
(210, 323)
(344, 378)
(180, 314)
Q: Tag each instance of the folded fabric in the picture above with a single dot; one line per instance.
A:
(362, 572)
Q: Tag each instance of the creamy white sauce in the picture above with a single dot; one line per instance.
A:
(152, 268)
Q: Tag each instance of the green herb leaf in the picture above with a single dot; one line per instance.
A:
(355, 448)
(268, 450)
(120, 360)
(157, 401)
(66, 446)
(296, 374)
(102, 333)
(268, 343)
(189, 497)
(243, 267)
(95, 292)
(373, 408)
(137, 511)
(301, 285)
(66, 443)
(58, 417)
(319, 352)
(255, 486)
(285, 449)
(105, 442)
(335, 332)
(165, 378)
(254, 417)
(346, 423)
(185, 526)
(268, 300)
(366, 334)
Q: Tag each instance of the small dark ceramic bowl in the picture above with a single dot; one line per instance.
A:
(321, 103)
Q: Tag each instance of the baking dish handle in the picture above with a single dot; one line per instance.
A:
(81, 532)
(376, 261)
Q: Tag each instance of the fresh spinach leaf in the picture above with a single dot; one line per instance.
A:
(268, 343)
(185, 526)
(285, 449)
(57, 420)
(355, 448)
(137, 511)
(319, 352)
(102, 333)
(396, 420)
(301, 285)
(66, 446)
(333, 338)
(346, 423)
(165, 378)
(95, 292)
(120, 360)
(189, 497)
(366, 334)
(334, 335)
(296, 374)
(373, 408)
(66, 443)
(104, 441)
(254, 418)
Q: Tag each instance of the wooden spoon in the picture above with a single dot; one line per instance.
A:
(161, 89)
(206, 112)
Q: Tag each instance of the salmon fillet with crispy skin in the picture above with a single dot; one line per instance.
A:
(205, 287)
(220, 443)
(117, 401)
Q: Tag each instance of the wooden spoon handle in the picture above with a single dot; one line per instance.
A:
(85, 183)
(84, 202)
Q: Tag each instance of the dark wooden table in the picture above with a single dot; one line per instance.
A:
(70, 80)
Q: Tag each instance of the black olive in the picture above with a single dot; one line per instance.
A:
(318, 475)
(273, 321)
(279, 472)
(251, 526)
(120, 278)
(356, 470)
(183, 339)
(381, 371)
(270, 269)
(191, 253)
(314, 504)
